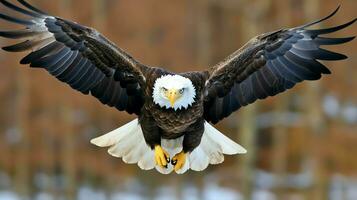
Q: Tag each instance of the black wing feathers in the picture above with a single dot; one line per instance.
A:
(78, 56)
(20, 10)
(270, 64)
(16, 20)
(18, 34)
(29, 6)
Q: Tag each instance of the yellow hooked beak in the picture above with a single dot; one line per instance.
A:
(172, 95)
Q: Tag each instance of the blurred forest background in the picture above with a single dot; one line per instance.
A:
(301, 144)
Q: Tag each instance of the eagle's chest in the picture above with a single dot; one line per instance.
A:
(175, 123)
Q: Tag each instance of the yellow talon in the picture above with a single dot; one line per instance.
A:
(161, 156)
(179, 160)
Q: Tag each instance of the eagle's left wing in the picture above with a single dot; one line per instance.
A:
(267, 65)
(79, 56)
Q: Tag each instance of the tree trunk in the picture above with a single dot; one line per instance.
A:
(204, 51)
(252, 18)
(99, 14)
(281, 106)
(204, 30)
(248, 132)
(22, 166)
(315, 122)
(247, 129)
(279, 144)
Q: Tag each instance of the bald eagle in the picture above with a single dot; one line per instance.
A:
(173, 130)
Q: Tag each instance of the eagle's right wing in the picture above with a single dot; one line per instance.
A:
(79, 56)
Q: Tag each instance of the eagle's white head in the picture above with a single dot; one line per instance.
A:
(174, 91)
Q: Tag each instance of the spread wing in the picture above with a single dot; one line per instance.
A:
(77, 55)
(267, 65)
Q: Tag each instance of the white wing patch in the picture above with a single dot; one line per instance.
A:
(128, 143)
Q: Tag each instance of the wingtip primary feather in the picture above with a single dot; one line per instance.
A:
(19, 47)
(29, 6)
(333, 41)
(17, 34)
(321, 20)
(18, 9)
(316, 32)
(16, 20)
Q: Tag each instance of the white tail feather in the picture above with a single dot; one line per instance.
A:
(147, 162)
(228, 146)
(128, 143)
(115, 136)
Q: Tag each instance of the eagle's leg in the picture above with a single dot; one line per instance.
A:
(191, 140)
(162, 158)
(152, 135)
(179, 160)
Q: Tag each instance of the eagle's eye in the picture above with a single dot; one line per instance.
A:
(181, 90)
(164, 89)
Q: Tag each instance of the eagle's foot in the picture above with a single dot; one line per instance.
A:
(162, 158)
(179, 160)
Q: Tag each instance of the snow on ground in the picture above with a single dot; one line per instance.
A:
(340, 187)
(8, 195)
